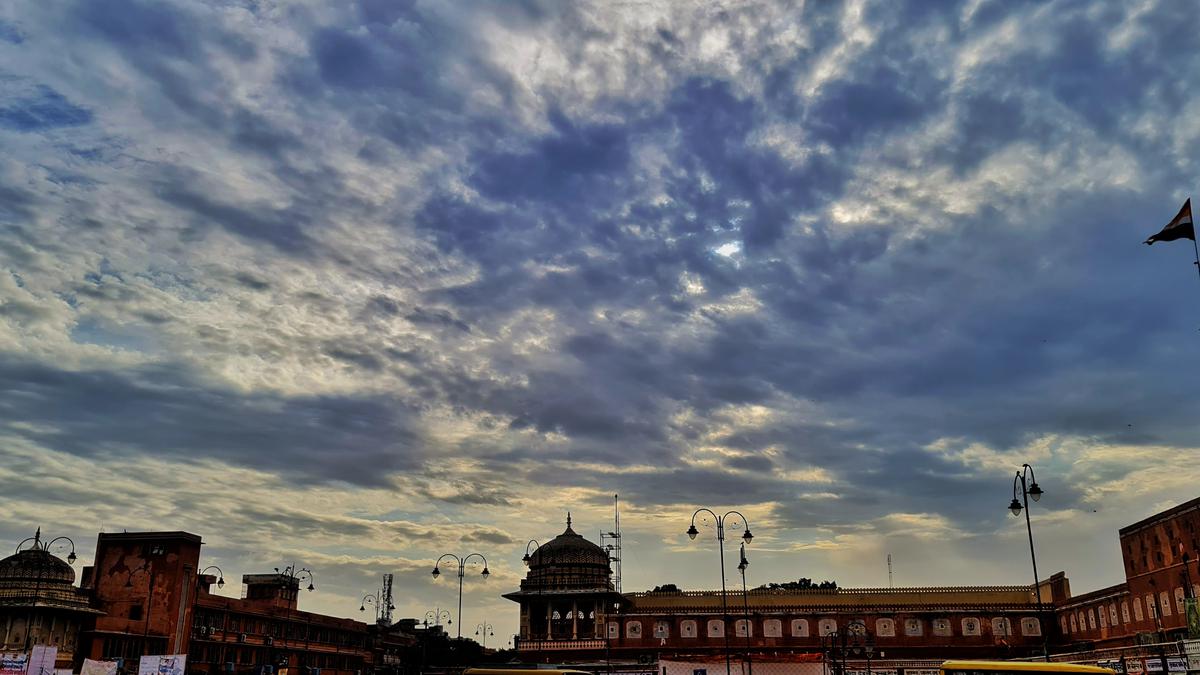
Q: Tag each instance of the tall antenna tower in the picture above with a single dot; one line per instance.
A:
(385, 600)
(611, 541)
(889, 570)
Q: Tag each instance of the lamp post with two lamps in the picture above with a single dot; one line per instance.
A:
(747, 537)
(854, 641)
(434, 617)
(1026, 482)
(292, 577)
(462, 570)
(482, 631)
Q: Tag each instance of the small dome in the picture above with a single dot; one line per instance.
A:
(34, 563)
(568, 561)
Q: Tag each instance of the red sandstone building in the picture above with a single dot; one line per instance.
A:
(154, 601)
(570, 611)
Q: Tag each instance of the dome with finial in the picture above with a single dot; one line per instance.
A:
(34, 576)
(568, 562)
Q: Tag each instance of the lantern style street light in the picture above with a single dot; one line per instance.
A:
(462, 570)
(482, 631)
(526, 559)
(434, 617)
(1026, 482)
(738, 521)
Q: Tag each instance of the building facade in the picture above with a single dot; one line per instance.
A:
(1159, 554)
(568, 609)
(149, 598)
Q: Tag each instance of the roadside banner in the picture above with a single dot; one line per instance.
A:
(1177, 664)
(91, 667)
(13, 663)
(163, 664)
(41, 660)
(1134, 665)
(1192, 611)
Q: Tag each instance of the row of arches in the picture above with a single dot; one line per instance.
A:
(800, 628)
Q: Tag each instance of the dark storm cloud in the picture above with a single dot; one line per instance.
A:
(313, 439)
(563, 308)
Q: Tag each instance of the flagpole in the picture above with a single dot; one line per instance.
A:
(1197, 250)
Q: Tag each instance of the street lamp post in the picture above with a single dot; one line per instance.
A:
(293, 577)
(855, 640)
(434, 617)
(370, 599)
(1030, 488)
(742, 565)
(747, 537)
(462, 570)
(1155, 607)
(483, 630)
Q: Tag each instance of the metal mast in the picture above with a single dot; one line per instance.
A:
(889, 570)
(385, 600)
(611, 541)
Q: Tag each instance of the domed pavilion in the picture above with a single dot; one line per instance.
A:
(567, 592)
(39, 602)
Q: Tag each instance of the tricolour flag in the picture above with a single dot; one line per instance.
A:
(1179, 228)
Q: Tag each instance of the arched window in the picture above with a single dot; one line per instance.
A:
(633, 629)
(1112, 615)
(716, 628)
(772, 628)
(1074, 626)
(1062, 621)
(913, 627)
(614, 630)
(1137, 608)
(1100, 615)
(941, 628)
(687, 629)
(1124, 612)
(971, 627)
(1164, 603)
(1001, 627)
(799, 627)
(556, 616)
(827, 626)
(662, 629)
(743, 628)
(1031, 626)
(885, 628)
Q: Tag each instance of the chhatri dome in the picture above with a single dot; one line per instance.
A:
(568, 562)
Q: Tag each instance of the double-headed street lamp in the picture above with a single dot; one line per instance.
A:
(482, 631)
(747, 537)
(435, 617)
(370, 599)
(853, 642)
(462, 570)
(1027, 483)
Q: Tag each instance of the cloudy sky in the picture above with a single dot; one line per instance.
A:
(353, 285)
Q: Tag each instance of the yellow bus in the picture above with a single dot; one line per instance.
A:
(1019, 668)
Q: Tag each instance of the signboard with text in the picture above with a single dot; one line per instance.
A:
(13, 663)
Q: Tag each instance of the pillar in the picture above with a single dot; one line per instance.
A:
(574, 620)
(549, 620)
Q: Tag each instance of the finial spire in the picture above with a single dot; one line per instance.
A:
(568, 520)
(37, 538)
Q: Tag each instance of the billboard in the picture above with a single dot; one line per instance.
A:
(13, 663)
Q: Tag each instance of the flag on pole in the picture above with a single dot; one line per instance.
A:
(1180, 227)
